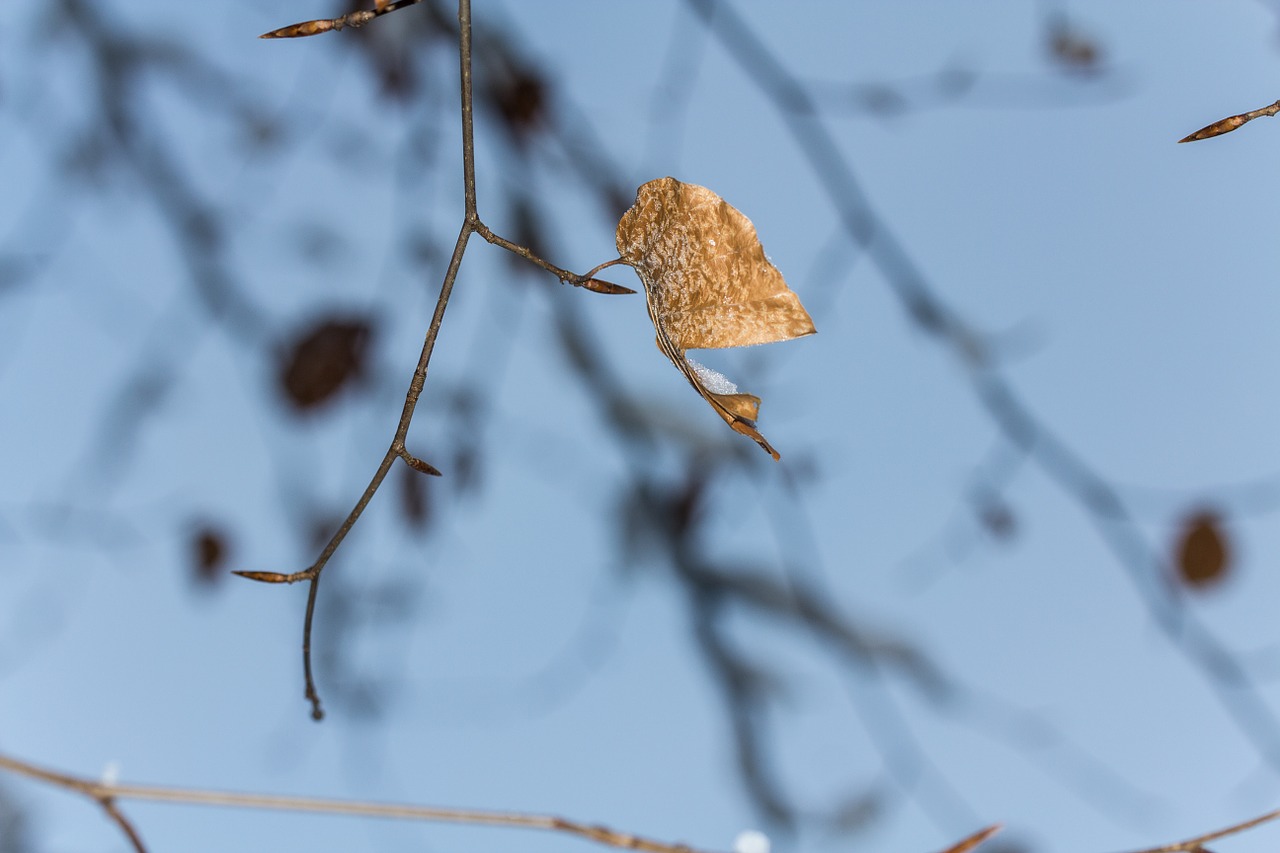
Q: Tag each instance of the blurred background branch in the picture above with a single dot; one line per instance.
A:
(222, 256)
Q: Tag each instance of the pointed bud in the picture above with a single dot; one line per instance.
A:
(420, 466)
(601, 286)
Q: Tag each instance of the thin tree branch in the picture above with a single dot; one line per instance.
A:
(585, 280)
(471, 224)
(1196, 845)
(109, 805)
(106, 795)
(397, 448)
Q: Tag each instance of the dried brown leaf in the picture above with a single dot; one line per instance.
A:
(708, 285)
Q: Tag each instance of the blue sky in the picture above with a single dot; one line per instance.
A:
(1127, 279)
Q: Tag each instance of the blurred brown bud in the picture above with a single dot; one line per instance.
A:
(1204, 553)
(1071, 49)
(209, 548)
(325, 356)
(415, 500)
(520, 99)
(997, 519)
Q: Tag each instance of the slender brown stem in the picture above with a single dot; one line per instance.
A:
(416, 385)
(468, 122)
(109, 805)
(1194, 845)
(107, 794)
(586, 279)
(471, 223)
(397, 448)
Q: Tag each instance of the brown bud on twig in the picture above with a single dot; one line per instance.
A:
(419, 465)
(313, 28)
(275, 577)
(1230, 123)
(601, 286)
(352, 19)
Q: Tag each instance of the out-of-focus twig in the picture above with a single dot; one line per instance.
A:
(1231, 684)
(108, 794)
(1196, 845)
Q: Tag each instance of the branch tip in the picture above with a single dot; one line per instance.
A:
(1230, 123)
(306, 28)
(275, 577)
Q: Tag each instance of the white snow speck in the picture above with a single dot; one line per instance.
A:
(751, 841)
(713, 381)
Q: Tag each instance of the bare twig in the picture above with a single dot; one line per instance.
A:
(585, 280)
(107, 794)
(113, 811)
(1230, 123)
(1196, 845)
(104, 794)
(471, 223)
